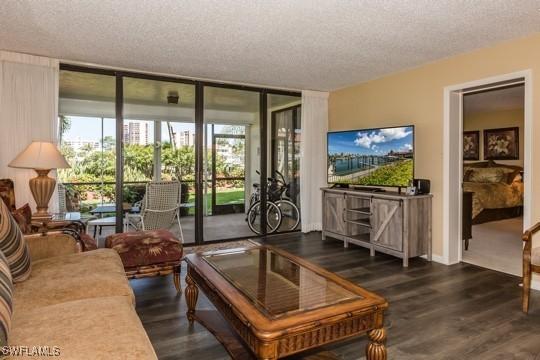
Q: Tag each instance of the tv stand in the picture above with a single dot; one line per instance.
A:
(387, 222)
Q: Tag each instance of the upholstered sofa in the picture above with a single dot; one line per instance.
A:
(79, 302)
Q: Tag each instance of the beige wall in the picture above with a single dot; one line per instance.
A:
(495, 120)
(416, 97)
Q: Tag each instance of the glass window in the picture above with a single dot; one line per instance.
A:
(87, 136)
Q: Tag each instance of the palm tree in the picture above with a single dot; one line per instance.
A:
(64, 125)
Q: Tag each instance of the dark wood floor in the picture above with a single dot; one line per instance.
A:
(436, 311)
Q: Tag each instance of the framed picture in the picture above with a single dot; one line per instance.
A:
(501, 144)
(471, 145)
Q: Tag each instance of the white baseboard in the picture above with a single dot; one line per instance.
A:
(311, 227)
(436, 258)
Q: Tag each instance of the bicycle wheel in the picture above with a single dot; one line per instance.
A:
(273, 218)
(290, 215)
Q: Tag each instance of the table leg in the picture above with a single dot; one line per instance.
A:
(176, 277)
(191, 298)
(95, 231)
(376, 350)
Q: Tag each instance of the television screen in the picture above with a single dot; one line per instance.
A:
(372, 157)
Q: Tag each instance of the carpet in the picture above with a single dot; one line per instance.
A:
(497, 245)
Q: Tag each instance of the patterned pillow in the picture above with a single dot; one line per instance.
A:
(510, 174)
(7, 193)
(488, 175)
(13, 245)
(6, 306)
(23, 217)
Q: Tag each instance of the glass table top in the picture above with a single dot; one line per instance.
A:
(275, 284)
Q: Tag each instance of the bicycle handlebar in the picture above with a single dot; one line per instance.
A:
(271, 179)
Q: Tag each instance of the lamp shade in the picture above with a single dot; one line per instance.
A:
(40, 156)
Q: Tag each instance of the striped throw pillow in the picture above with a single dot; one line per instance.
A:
(13, 245)
(6, 292)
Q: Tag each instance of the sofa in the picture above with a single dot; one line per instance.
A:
(79, 304)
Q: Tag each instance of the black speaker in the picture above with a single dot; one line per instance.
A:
(422, 186)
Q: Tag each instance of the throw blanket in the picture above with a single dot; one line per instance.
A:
(494, 195)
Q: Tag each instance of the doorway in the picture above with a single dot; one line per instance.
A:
(493, 173)
(453, 222)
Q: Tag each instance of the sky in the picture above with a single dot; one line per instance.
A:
(371, 142)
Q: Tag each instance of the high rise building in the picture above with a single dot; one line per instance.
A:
(136, 133)
(185, 138)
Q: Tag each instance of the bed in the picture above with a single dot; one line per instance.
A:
(497, 190)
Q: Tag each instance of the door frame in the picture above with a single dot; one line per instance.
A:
(453, 158)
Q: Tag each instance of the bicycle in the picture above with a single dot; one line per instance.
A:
(280, 209)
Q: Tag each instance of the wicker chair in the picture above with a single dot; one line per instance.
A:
(159, 208)
(531, 264)
(62, 207)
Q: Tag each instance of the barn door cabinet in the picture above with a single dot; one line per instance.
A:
(388, 222)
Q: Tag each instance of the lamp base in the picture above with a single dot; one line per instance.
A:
(42, 188)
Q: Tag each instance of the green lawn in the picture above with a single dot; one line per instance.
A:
(223, 197)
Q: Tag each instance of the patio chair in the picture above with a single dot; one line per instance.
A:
(62, 207)
(159, 208)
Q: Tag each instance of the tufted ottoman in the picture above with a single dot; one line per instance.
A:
(148, 253)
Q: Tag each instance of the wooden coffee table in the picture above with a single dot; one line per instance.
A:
(279, 304)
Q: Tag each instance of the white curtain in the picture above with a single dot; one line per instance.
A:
(313, 157)
(28, 111)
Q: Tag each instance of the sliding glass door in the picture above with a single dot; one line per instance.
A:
(284, 153)
(159, 144)
(121, 130)
(232, 160)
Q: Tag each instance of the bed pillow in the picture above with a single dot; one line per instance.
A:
(513, 175)
(488, 175)
(467, 173)
(13, 245)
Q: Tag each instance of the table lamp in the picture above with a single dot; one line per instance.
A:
(42, 157)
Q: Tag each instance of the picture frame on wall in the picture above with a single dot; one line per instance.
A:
(501, 144)
(471, 145)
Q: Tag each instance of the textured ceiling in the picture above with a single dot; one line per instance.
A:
(301, 44)
(512, 98)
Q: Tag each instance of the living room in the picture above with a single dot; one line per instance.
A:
(189, 143)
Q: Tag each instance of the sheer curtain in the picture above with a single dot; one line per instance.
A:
(28, 111)
(313, 157)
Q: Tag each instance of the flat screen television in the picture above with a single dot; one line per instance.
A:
(371, 157)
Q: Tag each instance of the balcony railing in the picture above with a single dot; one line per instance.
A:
(85, 196)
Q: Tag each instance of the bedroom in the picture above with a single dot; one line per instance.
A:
(493, 191)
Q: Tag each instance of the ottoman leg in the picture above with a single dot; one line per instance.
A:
(176, 278)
